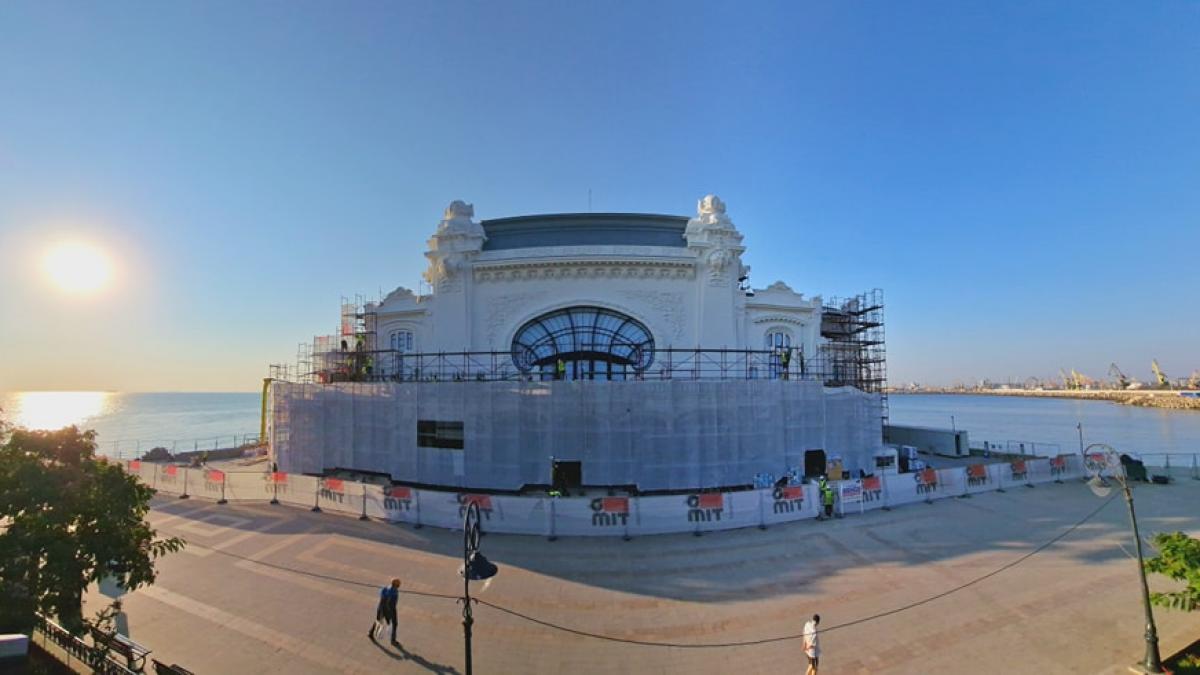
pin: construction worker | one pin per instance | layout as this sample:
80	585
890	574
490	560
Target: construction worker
827	500
785	360
560	370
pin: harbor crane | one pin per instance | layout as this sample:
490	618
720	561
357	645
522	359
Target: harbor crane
1163	382
1067	380
1122	379
1081	381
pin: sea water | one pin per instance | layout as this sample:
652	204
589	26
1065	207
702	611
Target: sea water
1056	421
127	423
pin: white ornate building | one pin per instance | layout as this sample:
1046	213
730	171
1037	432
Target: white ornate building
480	382
680	278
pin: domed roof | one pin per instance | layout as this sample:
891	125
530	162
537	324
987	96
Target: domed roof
585	229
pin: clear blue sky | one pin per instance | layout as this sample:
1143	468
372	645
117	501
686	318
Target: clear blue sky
1022	179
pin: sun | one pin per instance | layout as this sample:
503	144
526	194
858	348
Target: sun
78	267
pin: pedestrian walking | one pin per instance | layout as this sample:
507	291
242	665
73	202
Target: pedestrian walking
385	613
812	648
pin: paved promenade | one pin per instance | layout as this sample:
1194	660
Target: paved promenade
266	589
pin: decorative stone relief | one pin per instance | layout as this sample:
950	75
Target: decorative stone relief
583	270
669	310
716	241
779	318
500	316
400	296
456	242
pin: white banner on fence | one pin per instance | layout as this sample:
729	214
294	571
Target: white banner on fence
248	486
979	478
849	496
396	503
605	515
874	493
785	504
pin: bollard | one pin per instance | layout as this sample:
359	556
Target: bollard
364	510
317	498
222	499
185	495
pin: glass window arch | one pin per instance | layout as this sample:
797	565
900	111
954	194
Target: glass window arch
590	342
778	338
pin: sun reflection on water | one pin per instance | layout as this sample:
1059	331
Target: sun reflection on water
57	409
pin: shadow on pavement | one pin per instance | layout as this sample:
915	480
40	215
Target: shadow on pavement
991	529
404	654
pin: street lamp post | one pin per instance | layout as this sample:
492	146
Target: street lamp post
475	568
1079	426
1152	663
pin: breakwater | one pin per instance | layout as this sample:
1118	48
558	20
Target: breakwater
1144	398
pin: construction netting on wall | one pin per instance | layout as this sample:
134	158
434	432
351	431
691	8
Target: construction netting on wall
655	435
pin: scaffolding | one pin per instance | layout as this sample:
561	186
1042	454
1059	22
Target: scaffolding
854	353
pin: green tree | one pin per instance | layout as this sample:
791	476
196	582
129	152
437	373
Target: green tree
67	519
1179	559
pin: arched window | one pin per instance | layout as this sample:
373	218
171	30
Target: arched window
778	339
402	341
592	343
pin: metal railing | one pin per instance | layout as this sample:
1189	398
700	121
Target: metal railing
1173	464
388	365
76	648
135	448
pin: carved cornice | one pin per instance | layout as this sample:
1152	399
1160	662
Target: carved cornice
779	318
585	269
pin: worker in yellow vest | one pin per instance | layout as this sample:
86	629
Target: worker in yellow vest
560	370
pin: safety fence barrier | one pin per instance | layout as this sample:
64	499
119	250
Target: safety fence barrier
702	511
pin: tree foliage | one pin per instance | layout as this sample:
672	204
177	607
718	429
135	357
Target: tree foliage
1179	559
67	519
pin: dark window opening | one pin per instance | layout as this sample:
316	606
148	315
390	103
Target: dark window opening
435	434
568	475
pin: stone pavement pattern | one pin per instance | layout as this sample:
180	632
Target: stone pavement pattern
227	605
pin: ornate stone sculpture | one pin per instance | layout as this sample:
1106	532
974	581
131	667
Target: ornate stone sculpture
710	214
457	240
716	241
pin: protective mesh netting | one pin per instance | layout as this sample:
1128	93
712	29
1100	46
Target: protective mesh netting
656	435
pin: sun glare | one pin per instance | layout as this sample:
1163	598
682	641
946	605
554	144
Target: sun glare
78	268
57	409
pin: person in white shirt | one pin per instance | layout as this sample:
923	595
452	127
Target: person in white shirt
812	647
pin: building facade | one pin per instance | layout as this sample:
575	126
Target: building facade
708	382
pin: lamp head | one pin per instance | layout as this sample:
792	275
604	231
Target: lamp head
478	568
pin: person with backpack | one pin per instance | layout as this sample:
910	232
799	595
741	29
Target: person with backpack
385	612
